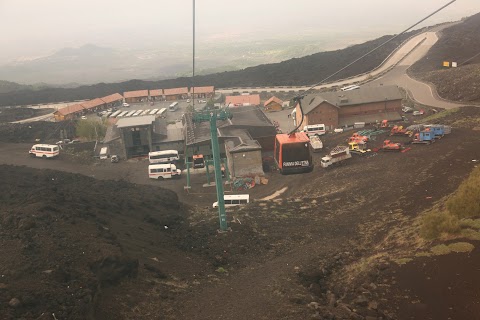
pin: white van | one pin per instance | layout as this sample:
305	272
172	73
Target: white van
44	151
166	156
232	200
315	130
316	143
104	153
164	171
350	88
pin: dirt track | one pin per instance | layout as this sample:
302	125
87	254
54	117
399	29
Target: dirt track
309	246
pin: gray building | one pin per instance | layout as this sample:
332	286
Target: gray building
250	120
244	157
137	134
243	139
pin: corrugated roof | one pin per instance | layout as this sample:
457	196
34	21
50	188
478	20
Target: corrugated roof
252	99
74	108
250	116
363	95
93	103
175	91
209	89
136	94
135	121
156	92
112	98
273	99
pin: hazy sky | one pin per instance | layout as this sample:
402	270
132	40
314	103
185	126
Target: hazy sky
39	27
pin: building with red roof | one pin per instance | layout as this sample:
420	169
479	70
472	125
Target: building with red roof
202	92
93	105
273	104
113	100
156	94
243	100
69	112
136	96
175	94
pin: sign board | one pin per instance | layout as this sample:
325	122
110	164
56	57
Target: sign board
446	64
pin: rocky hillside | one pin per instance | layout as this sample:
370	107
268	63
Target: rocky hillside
459	44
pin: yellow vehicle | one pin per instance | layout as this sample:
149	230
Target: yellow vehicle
358	147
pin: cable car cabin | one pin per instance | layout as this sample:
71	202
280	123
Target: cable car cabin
293	153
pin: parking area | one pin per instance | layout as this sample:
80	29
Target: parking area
141	108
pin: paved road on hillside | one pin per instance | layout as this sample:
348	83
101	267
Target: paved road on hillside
419	91
396	56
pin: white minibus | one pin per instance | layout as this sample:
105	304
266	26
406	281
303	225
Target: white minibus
166	156
116	113
232	200
44	150
315	129
164	171
104	153
161	113
173	106
351	87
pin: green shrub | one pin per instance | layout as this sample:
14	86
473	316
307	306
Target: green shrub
435	223
91	129
465	203
440	115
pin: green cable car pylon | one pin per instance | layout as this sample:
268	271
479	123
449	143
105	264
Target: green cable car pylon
212	116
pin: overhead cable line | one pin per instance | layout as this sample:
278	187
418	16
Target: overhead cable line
300	96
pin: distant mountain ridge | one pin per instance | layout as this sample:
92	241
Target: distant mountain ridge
297	71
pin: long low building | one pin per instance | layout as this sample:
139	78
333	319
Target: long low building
338	109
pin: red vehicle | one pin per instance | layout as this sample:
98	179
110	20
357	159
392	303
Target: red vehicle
392	146
292	153
357	138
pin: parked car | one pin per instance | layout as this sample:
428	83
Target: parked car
417	112
125	104
84	117
64	141
407	109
